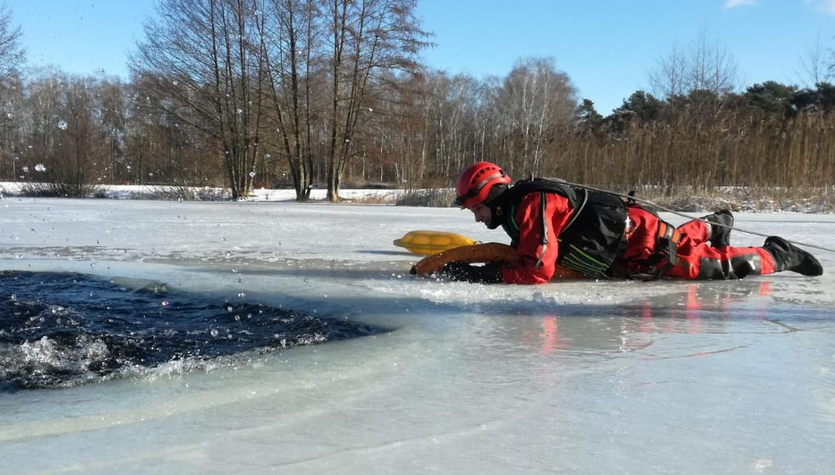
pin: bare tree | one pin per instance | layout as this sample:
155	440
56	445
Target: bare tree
114	114
203	64
79	154
289	33
12	116
813	62
11	53
669	79
450	110
65	155
42	105
11	90
536	100
712	67
367	39
705	65
162	148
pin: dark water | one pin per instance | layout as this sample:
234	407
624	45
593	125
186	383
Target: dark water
60	330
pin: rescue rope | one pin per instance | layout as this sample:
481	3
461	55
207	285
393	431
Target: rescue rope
663	208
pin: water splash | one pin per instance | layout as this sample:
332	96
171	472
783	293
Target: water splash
61	330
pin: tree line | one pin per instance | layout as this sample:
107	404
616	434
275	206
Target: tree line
327	93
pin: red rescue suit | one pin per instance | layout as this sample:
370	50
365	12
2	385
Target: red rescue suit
695	258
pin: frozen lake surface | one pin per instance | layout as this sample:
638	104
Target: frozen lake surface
572	377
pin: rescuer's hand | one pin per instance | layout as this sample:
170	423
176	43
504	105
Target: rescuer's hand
490	273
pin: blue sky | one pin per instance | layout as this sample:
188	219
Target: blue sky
606	47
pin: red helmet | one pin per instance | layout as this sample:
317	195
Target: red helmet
475	183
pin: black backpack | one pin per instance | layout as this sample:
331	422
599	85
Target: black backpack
593	238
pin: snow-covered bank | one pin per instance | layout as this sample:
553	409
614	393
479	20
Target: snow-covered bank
571	377
144	192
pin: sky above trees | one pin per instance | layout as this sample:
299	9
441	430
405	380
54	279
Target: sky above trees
607	48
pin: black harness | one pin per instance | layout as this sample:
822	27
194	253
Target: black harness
667	238
592	239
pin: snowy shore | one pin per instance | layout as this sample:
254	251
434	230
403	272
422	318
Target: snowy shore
144	192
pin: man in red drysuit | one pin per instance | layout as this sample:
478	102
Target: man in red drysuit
600	235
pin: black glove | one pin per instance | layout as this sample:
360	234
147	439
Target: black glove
487	274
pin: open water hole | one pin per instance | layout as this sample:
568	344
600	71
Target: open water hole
63	329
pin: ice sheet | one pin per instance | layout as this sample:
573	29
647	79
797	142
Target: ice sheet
579	377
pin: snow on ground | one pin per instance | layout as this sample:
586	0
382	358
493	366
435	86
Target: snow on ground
126	192
570	377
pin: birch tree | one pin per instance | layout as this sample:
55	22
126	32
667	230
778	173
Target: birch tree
538	101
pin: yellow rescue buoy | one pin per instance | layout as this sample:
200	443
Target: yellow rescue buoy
432	242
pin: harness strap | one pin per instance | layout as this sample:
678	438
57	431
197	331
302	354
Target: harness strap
667	240
542	205
575	214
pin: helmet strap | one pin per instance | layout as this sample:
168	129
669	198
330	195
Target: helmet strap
496	202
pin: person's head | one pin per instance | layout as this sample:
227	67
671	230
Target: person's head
478	187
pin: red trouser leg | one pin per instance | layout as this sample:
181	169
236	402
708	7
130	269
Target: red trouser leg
697	260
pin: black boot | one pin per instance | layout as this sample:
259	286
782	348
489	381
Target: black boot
789	257
721	224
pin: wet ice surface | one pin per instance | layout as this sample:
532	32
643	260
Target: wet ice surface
572	377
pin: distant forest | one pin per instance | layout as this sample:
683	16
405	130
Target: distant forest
331	93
